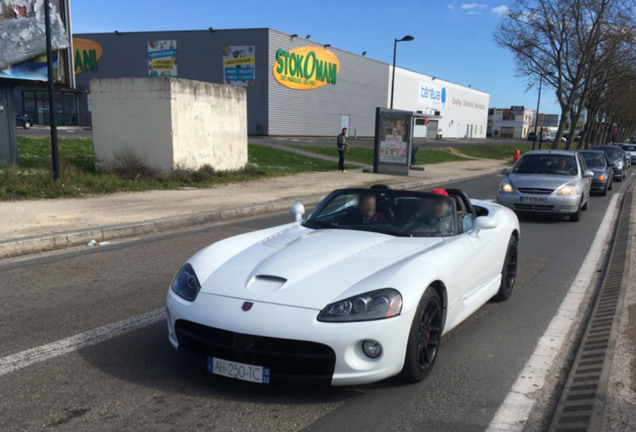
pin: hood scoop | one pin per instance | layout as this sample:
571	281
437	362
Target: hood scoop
265	283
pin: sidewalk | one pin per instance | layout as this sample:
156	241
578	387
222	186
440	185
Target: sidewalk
39	225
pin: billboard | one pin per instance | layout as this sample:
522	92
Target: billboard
86	55
239	65
24	36
162	58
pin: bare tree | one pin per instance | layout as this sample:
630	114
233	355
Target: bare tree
563	41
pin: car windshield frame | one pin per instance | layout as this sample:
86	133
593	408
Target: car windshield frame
546	164
397	213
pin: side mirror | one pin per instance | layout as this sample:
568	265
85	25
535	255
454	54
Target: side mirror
298	210
588	174
483	223
505	171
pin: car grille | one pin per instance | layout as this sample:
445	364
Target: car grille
287	359
536	191
534	207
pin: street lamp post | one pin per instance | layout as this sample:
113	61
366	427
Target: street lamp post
404	39
536	118
50	78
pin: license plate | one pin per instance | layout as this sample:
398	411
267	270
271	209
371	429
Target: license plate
240	371
533	199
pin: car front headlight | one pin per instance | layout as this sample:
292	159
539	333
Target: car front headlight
373	305
505	187
568	190
619	164
185	283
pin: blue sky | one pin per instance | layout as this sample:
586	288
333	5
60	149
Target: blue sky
453	39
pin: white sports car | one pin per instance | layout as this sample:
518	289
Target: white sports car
360	291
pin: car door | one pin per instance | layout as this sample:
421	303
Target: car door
587	181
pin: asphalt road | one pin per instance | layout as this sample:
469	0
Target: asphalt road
136	381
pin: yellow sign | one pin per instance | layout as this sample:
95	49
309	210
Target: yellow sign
239	61
306	68
86	54
163	64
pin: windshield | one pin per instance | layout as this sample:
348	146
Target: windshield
613	152
594	159
553	164
398	213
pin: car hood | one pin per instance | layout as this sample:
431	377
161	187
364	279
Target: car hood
540	181
310	268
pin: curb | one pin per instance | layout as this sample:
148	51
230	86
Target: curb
27	245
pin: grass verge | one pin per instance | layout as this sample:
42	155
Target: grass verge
365	154
33	177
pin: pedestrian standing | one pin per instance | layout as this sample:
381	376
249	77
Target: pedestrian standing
342	145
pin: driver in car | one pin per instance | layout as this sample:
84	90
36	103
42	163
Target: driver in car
365	212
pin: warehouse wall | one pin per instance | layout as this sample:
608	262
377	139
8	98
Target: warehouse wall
199	57
361	86
462	109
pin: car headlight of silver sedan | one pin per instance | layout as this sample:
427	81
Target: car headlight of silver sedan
185	283
568	190
505	186
373	305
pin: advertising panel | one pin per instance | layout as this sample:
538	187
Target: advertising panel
431	97
23	41
239	65
393	140
306	68
162	58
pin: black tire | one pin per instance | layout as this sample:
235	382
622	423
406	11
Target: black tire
508	271
610	185
575	217
27	125
424	338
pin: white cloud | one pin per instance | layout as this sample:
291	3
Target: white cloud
451	7
500	10
473	12
474	6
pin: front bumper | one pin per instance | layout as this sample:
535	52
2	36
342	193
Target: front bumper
599	185
289	340
554	204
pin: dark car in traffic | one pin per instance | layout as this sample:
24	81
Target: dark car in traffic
599	163
23	120
617	157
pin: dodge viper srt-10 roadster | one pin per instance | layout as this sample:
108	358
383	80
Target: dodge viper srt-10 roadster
361	290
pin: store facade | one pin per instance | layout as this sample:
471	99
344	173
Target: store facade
295	86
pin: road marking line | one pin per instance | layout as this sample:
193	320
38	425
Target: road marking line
515	410
28	357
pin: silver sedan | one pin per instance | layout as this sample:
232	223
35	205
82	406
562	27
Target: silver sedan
547	181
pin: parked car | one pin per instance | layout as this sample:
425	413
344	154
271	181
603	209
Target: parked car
547	181
362	290
23	120
598	162
630	151
617	157
531	136
550	137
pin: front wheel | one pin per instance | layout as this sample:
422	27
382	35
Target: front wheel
575	217
424	338
508	272
27	125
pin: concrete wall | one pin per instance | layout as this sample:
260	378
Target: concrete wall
209	124
461	109
169	122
